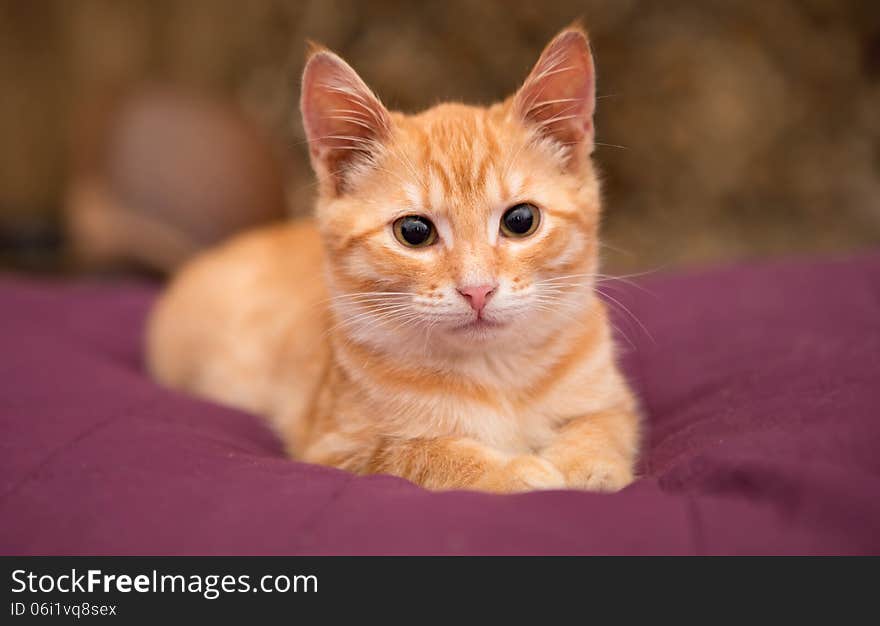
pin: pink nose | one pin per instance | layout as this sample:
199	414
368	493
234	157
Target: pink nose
477	296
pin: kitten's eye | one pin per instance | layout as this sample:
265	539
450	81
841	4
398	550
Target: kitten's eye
520	220
415	231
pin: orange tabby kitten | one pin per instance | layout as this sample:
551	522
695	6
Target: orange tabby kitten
437	320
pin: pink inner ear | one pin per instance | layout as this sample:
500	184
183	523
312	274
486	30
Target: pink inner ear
558	97
343	119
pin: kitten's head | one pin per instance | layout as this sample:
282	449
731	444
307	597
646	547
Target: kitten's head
461	227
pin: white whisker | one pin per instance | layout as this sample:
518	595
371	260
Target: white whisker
630	313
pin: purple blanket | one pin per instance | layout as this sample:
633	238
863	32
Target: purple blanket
761	387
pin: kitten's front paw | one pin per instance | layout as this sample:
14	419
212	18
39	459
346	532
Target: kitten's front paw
523	473
602	473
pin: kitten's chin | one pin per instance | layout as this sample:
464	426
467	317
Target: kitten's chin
479	325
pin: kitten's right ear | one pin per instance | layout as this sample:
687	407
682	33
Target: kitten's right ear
344	121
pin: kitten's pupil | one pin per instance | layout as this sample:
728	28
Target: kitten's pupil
414	230
519	220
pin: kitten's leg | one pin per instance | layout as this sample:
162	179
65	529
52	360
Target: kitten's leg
455	463
460	463
598	451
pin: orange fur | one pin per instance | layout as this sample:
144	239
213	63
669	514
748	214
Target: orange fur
364	354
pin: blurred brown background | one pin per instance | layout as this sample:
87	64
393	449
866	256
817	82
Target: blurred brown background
733	129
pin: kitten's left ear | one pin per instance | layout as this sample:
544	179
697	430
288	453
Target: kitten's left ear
345	122
559	96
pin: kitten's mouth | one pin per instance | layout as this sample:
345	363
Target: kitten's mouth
479	324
